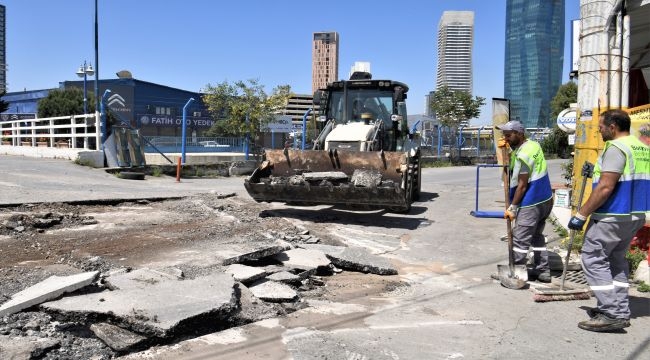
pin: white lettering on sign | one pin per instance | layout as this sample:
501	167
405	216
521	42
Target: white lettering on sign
566	120
176	121
162	120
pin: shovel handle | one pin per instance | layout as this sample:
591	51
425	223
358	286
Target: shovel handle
506	191
586	172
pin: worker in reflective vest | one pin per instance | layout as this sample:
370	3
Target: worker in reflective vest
530	199
617	205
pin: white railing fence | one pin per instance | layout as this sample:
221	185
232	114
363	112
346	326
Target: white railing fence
75	131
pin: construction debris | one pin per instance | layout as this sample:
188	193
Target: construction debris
49	289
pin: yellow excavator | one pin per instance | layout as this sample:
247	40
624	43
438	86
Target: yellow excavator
364	153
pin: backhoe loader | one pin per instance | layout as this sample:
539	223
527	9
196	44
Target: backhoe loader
363	155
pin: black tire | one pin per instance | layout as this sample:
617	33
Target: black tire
130	175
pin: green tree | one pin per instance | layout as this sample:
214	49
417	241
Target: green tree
558	141
231	104
453	107
4	106
64	103
566	95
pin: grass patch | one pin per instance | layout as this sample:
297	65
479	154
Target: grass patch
156	171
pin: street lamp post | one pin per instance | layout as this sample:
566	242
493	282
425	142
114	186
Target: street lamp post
83	72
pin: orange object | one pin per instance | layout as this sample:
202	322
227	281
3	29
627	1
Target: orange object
178	170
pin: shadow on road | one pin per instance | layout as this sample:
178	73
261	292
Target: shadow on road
336	215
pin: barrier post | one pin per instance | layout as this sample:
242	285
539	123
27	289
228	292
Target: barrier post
178	170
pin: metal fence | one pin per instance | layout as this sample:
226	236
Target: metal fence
470	141
173	144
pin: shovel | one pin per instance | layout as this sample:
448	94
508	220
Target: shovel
511	276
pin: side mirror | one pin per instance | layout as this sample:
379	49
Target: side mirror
319	96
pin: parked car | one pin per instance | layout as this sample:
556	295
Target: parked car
212	144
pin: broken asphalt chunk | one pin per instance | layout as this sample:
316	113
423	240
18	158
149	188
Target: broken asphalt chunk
25	347
139	278
115	337
248	252
284	277
302	259
272	291
245	274
359	259
48	289
158	309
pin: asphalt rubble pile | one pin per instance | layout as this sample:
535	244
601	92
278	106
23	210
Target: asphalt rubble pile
109	312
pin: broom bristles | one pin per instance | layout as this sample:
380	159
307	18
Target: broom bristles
560	297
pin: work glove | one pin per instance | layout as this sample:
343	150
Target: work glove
577	222
502	143
511	212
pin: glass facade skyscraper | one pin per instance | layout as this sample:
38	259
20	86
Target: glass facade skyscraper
534	59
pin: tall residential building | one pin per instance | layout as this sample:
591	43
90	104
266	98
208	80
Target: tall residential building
455	40
324	59
3	48
533	59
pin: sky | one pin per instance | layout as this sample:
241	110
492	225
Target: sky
188	44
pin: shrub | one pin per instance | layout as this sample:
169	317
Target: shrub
578	239
634	257
643	287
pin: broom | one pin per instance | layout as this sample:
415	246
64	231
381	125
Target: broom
563	294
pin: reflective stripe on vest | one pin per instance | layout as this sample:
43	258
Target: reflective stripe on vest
539	185
631	194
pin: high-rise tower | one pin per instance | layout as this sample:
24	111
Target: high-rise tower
324	59
455	40
534	59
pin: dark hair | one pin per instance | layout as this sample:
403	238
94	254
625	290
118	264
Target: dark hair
618	117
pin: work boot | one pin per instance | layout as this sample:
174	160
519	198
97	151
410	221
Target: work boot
544	277
603	323
592	312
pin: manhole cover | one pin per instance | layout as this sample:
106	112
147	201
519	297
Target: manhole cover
573	280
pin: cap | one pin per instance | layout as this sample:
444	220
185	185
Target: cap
511	126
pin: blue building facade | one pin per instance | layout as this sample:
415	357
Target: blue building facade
534	56
156	110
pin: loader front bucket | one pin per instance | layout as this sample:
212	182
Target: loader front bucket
374	179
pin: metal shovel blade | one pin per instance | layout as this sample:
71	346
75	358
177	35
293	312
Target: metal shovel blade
513	280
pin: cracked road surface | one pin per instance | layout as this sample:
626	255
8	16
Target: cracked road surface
441	305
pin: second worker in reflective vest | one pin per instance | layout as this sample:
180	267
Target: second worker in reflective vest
617	205
530	199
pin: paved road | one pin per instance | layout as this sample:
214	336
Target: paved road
446	308
28	180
